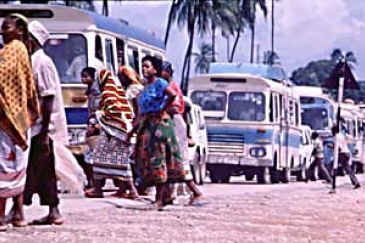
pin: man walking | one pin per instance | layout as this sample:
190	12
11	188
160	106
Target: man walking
344	156
318	155
50	127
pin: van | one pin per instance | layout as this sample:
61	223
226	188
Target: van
198	151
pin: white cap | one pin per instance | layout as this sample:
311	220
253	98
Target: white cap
38	31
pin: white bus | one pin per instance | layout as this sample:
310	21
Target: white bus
253	122
80	38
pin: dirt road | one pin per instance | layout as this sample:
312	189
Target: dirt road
236	212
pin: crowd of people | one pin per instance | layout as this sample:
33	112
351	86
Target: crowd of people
137	132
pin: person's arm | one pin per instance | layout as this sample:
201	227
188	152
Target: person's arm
170	97
47	90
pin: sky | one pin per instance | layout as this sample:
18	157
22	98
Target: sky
305	31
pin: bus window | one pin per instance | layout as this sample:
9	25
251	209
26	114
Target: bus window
133	58
98	48
210	100
145	53
68	51
272	112
109	54
120	52
159	57
297	114
246	106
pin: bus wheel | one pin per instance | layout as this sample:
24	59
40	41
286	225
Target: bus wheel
203	169
195	168
274	172
301	175
249	177
218	174
285	175
263	175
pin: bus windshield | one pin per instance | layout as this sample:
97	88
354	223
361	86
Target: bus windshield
213	103
246	106
315	117
69	53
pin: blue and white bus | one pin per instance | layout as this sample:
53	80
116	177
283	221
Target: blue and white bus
253	122
80	38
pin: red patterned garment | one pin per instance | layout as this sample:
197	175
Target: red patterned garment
117	112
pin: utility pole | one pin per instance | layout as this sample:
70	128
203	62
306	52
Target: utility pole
258	53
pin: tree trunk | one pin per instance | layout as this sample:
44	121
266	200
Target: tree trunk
272	26
235	44
187	61
169	21
252	43
213	41
105	11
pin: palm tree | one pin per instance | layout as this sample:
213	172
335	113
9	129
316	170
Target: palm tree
203	58
224	17
249	14
270	57
349	57
238	10
195	15
171	18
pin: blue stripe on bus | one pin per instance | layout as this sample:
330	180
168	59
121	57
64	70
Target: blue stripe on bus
125	29
250	136
76	116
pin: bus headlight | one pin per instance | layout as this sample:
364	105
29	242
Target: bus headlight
76	135
258	152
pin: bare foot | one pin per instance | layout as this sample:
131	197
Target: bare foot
195	199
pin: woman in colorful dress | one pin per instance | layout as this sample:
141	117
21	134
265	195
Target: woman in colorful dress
158	153
111	155
19	109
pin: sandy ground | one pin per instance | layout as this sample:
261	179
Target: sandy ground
235	212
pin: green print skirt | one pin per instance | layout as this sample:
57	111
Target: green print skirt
157	153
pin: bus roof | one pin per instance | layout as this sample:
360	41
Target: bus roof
235	81
74	19
258	70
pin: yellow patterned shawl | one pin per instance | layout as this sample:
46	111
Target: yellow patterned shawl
18	96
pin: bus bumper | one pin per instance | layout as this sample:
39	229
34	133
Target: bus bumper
242	161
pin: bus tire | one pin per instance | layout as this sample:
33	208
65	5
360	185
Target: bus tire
203	169
249	177
274	172
218	174
263	175
301	174
285	175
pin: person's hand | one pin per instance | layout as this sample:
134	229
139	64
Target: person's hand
90	131
43	145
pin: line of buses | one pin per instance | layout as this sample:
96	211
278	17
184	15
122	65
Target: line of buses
255	121
254	117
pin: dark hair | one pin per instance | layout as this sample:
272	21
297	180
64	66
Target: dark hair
20	21
167	66
315	135
89	70
335	129
156	63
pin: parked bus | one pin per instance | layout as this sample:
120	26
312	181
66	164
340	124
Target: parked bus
253	122
80	38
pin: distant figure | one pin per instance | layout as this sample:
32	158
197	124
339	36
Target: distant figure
344	156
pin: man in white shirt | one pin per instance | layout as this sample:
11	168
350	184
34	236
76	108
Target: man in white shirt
344	156
51	126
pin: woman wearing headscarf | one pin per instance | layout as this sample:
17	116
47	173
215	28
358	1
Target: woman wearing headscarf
132	85
158	152
19	109
111	155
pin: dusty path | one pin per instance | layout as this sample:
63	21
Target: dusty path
236	212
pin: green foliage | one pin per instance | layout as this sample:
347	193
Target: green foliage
315	73
203	58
